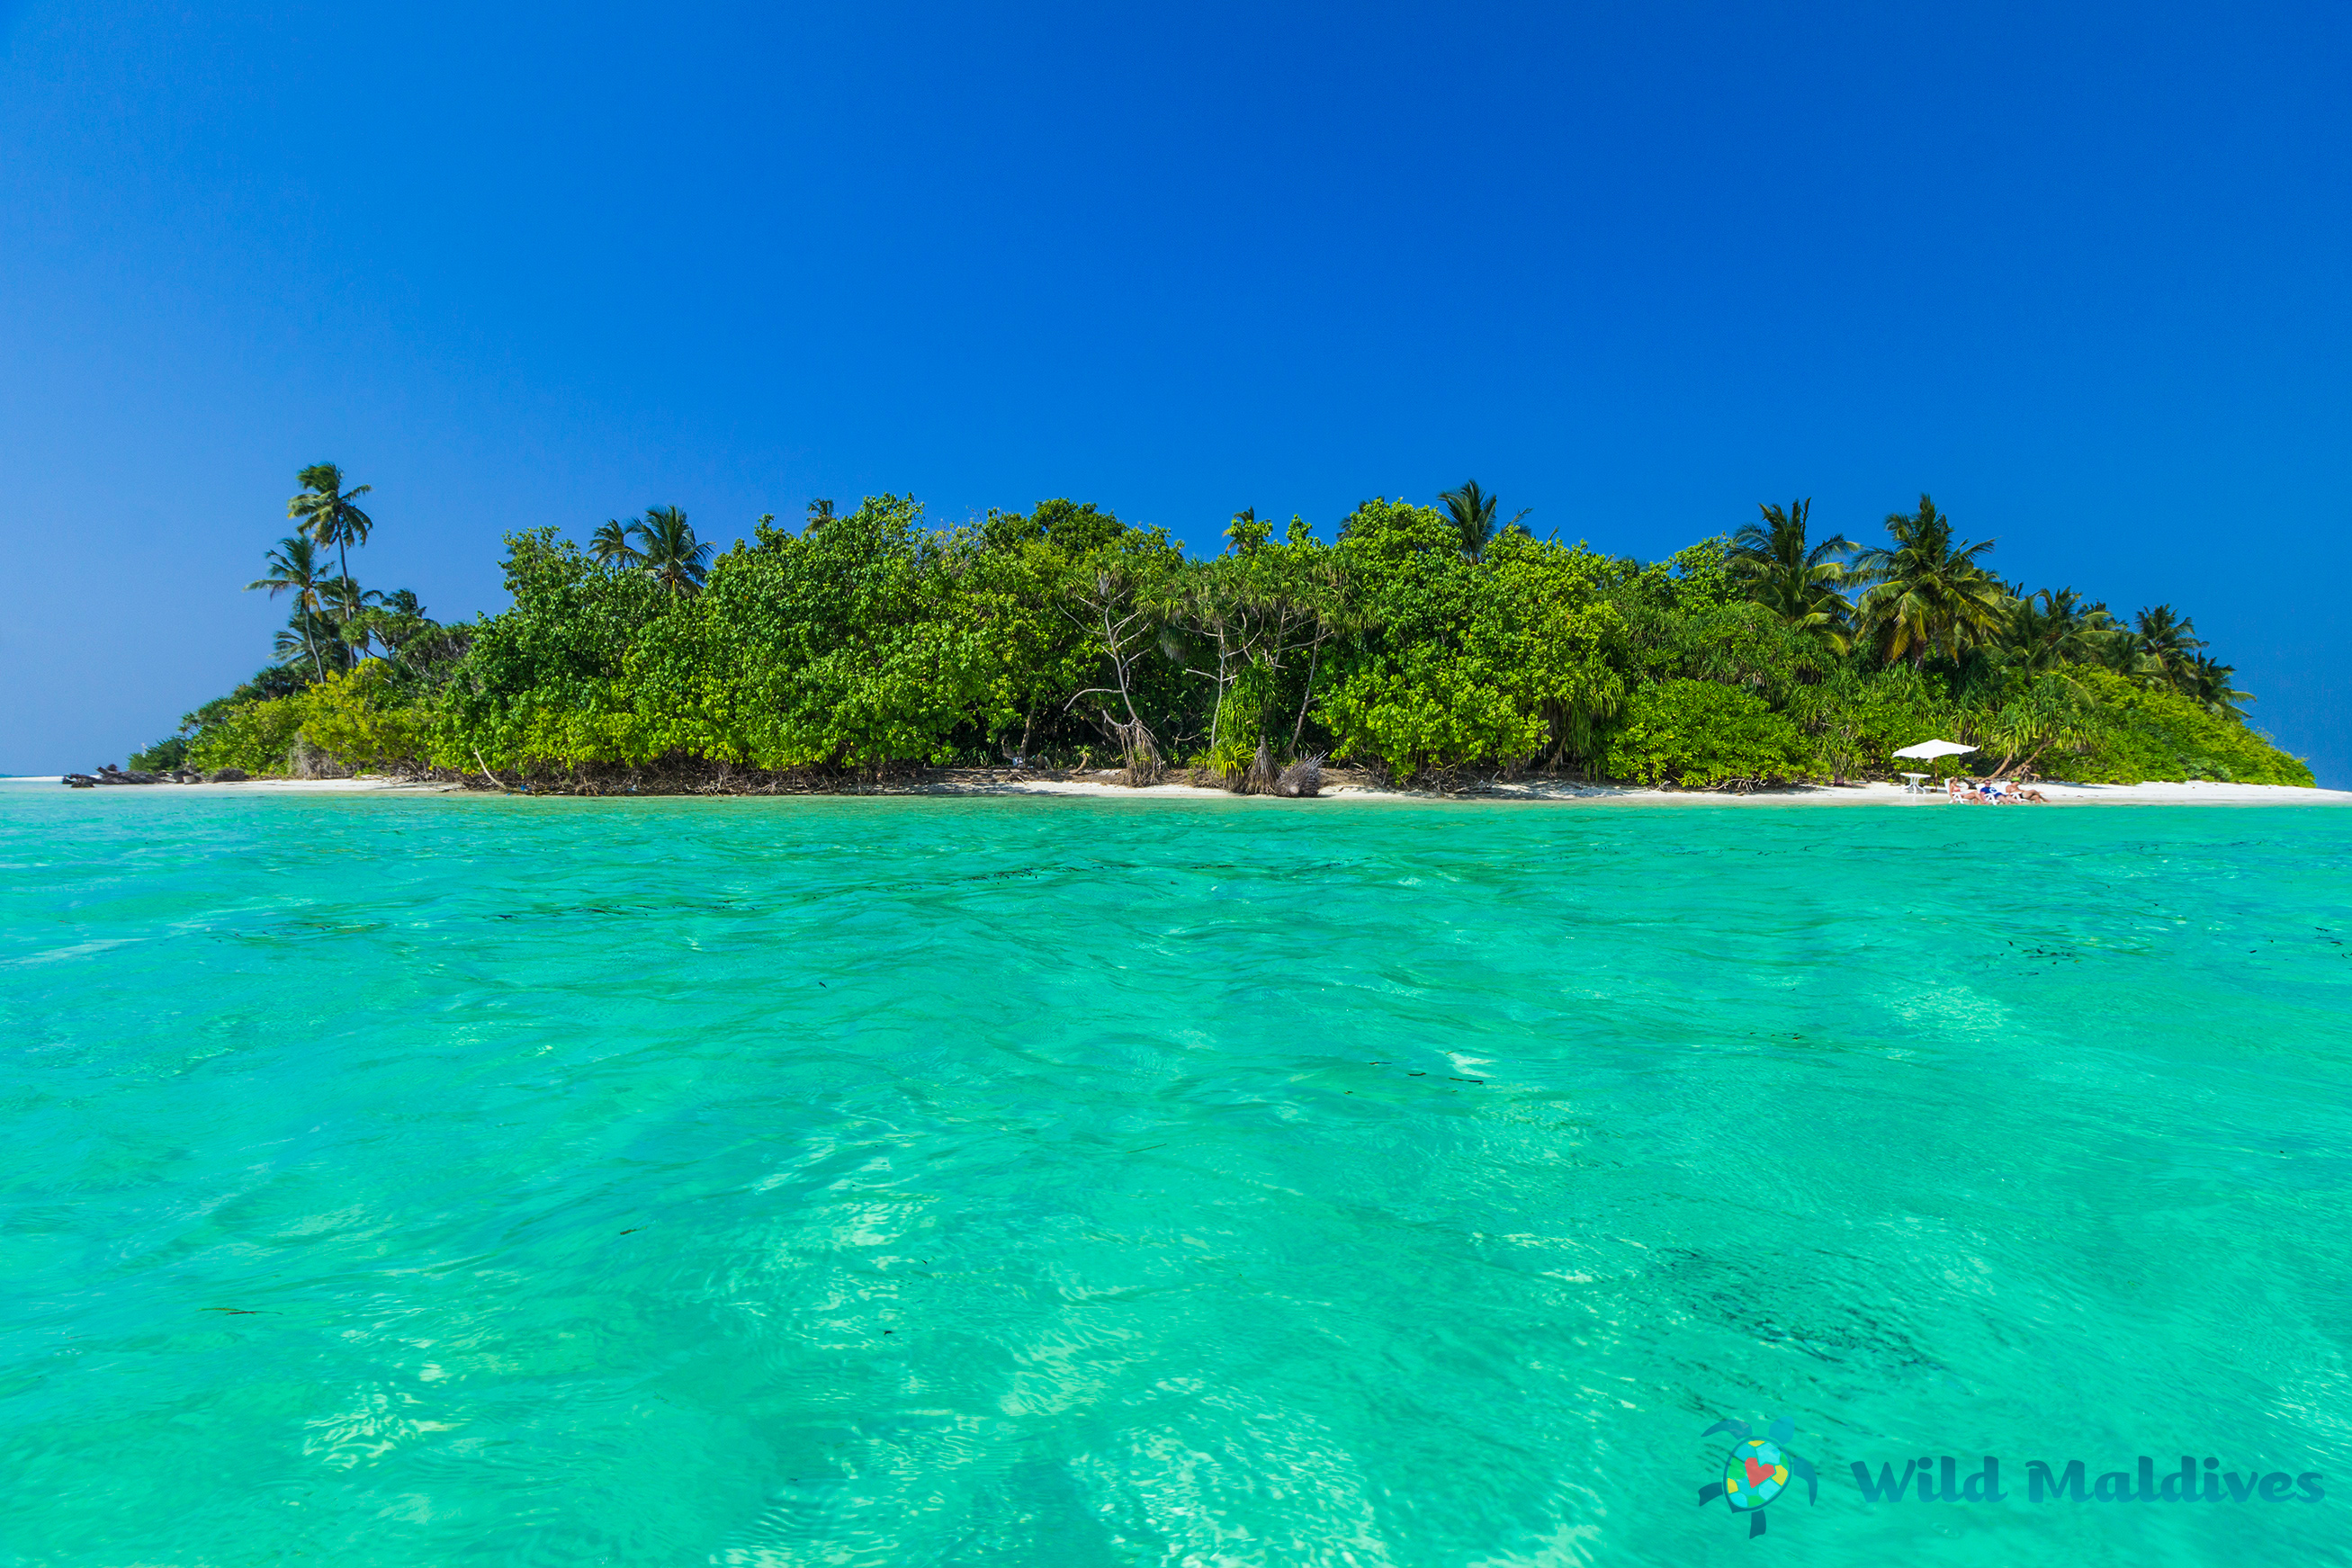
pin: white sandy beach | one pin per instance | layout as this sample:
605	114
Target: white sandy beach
1875	794
2195	793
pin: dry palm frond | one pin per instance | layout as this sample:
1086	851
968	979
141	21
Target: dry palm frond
1302	778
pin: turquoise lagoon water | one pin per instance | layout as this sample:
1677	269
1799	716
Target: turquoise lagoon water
452	1181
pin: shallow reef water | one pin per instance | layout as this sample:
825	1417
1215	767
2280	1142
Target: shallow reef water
446	1180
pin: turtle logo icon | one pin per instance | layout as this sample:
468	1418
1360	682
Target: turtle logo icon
1756	1470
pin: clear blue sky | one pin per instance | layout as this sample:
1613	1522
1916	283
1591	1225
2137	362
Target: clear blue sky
2078	270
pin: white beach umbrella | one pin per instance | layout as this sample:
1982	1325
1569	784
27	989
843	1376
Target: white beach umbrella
1929	750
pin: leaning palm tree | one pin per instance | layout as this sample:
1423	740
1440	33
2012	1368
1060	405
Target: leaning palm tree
1474	515
669	550
325	512
294	567
2166	643
1927	594
1797	581
610	544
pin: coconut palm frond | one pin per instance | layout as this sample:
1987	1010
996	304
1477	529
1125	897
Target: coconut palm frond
668	549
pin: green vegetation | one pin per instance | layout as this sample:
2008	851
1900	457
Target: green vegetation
1424	642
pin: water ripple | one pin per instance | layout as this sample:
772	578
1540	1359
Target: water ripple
442	1181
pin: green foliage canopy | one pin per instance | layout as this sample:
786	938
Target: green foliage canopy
1423	643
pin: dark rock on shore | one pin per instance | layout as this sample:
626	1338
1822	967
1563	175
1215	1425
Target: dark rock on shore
110	774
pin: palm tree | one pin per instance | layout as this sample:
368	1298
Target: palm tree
294	569
1474	515
325	512
2166	643
1796	582
293	642
1927	594
314	634
670	551
819	514
2054	627
353	610
610	544
2211	682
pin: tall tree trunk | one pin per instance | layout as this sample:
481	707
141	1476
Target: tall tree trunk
1314	659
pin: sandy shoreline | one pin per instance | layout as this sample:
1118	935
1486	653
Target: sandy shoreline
1875	794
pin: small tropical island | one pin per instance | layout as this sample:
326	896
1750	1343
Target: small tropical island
1425	646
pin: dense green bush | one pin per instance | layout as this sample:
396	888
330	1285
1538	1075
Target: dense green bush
161	757
1856	718
1460	663
364	719
256	736
1702	733
2137	735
